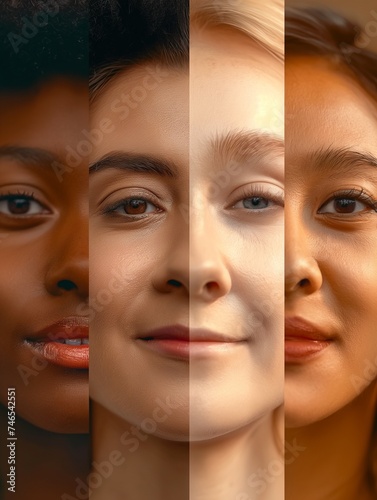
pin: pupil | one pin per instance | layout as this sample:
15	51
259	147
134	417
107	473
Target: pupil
19	205
135	207
345	205
255	202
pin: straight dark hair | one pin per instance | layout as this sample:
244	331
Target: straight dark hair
325	33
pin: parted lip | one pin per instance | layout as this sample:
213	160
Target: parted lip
184	333
302	329
71	327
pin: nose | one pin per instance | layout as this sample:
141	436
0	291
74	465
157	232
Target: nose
171	274
210	278
68	269
303	275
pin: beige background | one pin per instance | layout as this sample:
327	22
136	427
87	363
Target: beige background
364	12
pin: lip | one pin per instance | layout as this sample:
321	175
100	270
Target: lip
48	342
303	340
182	342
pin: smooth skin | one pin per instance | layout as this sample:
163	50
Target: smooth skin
226	255
331	277
41	246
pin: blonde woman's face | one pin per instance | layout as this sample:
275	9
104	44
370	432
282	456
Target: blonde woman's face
194	244
331	222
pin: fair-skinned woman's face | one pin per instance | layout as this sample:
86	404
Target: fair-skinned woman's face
331	222
200	246
43	251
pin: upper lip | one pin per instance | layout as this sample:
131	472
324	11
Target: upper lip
181	332
71	327
300	328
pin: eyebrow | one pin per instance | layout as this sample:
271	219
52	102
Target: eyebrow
245	145
132	162
29	156
341	159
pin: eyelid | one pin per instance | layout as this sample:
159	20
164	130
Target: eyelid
25	195
269	191
357	194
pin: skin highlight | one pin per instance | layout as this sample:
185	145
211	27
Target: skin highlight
37	244
331	267
184	278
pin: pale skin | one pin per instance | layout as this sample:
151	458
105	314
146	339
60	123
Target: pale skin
331	267
189	238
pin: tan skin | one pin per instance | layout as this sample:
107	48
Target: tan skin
41	246
331	270
186	239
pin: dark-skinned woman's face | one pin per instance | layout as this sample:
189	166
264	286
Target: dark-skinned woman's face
43	255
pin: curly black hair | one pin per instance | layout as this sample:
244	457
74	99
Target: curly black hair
40	39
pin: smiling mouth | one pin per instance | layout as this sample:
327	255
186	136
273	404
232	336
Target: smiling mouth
65	343
303	341
183	343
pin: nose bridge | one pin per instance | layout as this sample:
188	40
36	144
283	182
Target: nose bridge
301	266
68	265
209	273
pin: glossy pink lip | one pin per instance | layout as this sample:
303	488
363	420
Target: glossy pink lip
303	340
181	342
48	342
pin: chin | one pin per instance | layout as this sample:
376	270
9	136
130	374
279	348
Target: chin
58	423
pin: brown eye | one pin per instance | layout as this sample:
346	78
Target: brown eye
12	205
344	206
135	207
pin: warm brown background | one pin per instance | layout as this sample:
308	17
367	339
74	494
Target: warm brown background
363	12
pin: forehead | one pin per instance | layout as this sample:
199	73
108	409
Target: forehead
148	111
234	84
326	107
50	117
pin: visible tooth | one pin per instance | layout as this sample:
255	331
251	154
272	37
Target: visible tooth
85	341
73	341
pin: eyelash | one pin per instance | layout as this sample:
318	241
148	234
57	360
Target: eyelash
110	210
14	195
352	194
259	192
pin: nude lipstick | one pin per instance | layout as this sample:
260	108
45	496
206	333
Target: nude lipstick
303	340
64	343
181	342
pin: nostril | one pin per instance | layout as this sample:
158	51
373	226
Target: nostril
303	283
67	285
212	286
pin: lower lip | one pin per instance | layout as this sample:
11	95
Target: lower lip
185	349
297	350
67	356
